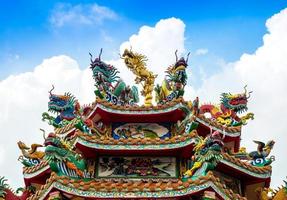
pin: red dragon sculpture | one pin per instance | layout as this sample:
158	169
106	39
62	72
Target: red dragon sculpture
230	106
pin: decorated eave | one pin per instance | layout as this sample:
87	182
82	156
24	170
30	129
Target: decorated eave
244	170
229	164
37	174
173	111
142	189
170	112
181	141
91	146
231	134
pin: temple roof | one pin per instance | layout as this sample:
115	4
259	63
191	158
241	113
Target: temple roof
170	112
228	163
119	188
135	108
245	165
90	143
232	131
32	169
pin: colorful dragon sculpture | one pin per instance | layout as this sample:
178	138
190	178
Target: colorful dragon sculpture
207	153
65	106
173	85
62	158
230	106
137	64
30	155
110	86
68	110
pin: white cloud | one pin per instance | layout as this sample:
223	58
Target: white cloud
200	52
23	99
80	14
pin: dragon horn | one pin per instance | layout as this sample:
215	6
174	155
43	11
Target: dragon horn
100	53
249	94
44	133
91	56
176	58
51	89
187	57
245	90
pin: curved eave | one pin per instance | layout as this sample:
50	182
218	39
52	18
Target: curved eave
232	134
166	194
36	172
249	172
182	145
37	176
172	113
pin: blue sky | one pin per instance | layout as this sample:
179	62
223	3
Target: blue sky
226	28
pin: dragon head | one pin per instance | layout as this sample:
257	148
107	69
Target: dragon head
103	74
214	141
236	102
54	148
177	72
210	148
57	149
59	103
62	158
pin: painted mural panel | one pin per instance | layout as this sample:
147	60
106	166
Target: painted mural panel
137	167
141	130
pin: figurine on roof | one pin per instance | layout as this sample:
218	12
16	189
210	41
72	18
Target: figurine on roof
30	155
110	86
259	157
173	85
230	106
207	153
68	111
137	64
62	158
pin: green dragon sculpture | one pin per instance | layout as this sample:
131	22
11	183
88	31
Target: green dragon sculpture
207	153
110	86
62	158
173	85
230	106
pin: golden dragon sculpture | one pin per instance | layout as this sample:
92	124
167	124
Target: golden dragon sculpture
137	64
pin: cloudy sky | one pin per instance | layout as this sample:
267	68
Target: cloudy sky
232	43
